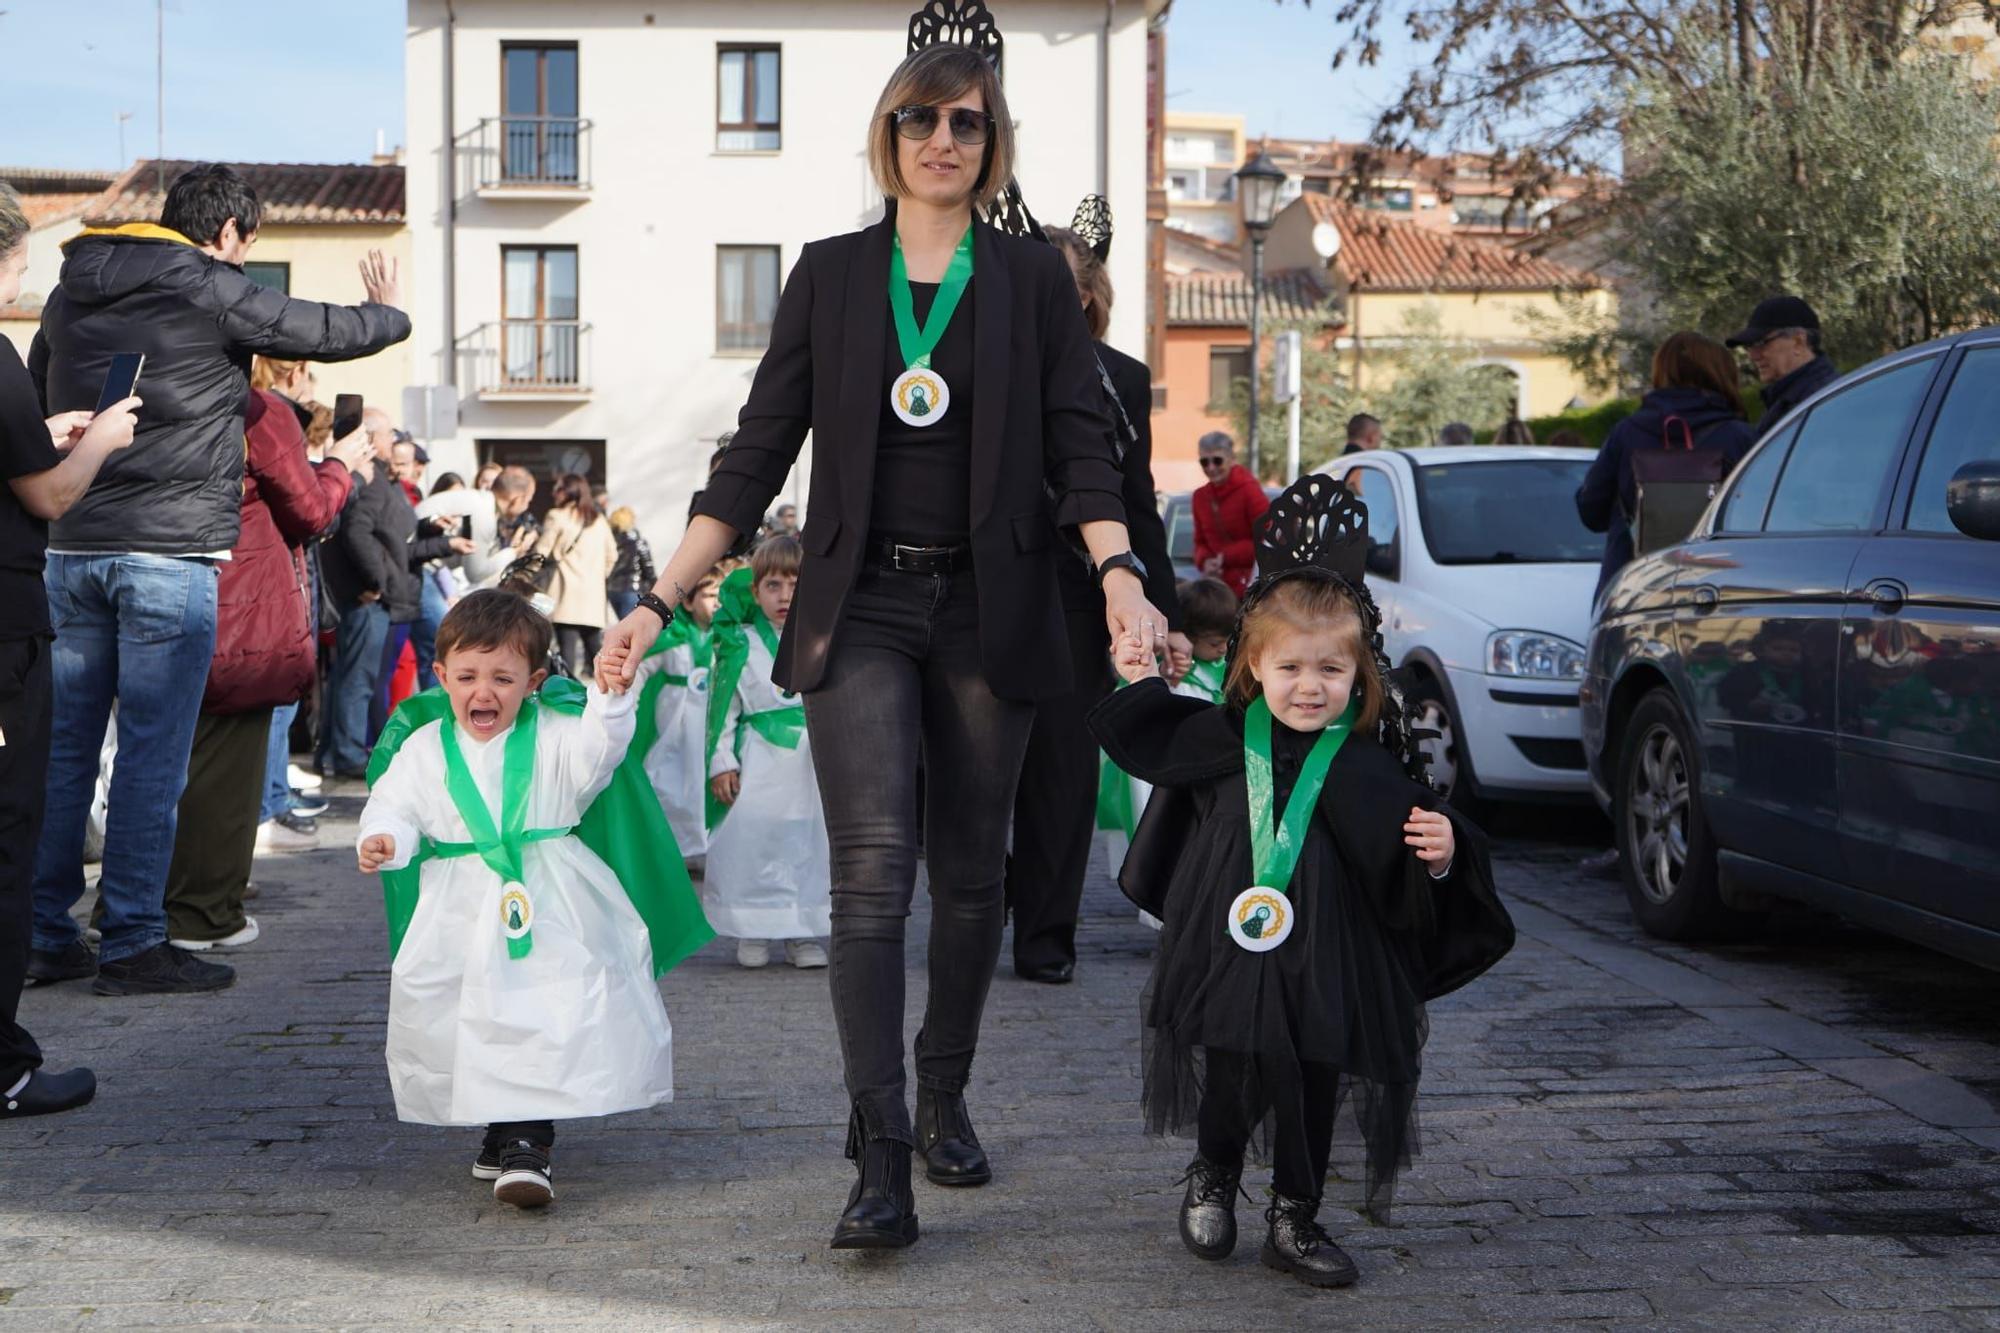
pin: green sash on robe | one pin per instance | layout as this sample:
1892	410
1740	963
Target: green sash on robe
624	826
736	615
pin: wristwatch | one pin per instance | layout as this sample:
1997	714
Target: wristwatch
1123	560
653	602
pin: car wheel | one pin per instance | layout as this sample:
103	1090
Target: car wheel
1448	760
1666	854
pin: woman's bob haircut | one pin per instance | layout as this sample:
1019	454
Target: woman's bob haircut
932	77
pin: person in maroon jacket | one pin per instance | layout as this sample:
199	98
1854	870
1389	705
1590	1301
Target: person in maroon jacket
1224	511
265	644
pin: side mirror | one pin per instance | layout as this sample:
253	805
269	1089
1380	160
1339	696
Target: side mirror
1382	559
1972	499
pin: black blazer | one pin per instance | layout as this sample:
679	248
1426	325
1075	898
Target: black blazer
1038	425
1133	383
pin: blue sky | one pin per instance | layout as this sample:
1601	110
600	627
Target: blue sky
313	80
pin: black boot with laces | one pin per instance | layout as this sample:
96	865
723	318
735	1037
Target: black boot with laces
881	1208
1208	1212
1298	1244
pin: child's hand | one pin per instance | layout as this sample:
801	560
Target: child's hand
376	852
1429	832
1134	659
726	786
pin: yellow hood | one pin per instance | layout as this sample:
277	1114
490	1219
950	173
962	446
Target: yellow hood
141	231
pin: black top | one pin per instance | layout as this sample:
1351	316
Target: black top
24	539
142	288
1038	427
923	474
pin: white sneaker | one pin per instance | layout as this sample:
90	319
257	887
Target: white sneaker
753	953
302	779
275	837
247	935
805	953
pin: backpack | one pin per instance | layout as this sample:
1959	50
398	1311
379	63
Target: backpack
1672	487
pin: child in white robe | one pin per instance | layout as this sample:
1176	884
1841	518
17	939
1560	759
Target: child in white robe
672	687
515	1000
768	876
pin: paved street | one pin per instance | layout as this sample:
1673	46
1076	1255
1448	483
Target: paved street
1799	1133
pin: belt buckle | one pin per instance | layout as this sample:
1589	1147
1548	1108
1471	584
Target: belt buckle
896	550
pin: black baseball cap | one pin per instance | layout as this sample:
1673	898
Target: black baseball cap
1771	314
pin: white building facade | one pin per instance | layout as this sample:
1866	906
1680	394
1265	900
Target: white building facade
600	232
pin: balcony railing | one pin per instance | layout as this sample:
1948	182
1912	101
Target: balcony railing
527	358
528	154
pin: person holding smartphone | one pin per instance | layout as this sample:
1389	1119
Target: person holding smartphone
46	466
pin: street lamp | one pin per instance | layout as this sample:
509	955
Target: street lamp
1257	184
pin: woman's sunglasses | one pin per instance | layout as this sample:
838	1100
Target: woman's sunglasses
921	122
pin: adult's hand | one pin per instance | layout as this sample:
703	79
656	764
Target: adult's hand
381	278
368	596
112	428
352	452
625	646
1212	566
1180	656
463	545
1127	611
66	428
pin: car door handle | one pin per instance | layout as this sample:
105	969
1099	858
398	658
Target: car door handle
1705	596
1888	595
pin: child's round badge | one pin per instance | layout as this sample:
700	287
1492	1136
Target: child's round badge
1260	919
517	914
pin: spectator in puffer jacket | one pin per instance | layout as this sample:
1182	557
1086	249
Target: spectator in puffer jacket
133	567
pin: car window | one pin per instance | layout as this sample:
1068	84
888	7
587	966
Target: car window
1378	492
1743	509
1505	511
1967	431
1844	451
1180	529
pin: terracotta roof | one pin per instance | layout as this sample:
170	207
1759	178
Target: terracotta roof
1211	254
1223	299
1387	254
50	195
291	193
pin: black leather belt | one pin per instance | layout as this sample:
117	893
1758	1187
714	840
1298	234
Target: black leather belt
922	559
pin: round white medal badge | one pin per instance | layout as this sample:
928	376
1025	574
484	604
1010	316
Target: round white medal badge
1260	919
919	397
517	914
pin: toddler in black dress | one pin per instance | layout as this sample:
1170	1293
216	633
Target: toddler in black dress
1315	893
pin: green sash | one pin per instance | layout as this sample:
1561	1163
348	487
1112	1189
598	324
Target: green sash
624	826
1208	678
736	615
1275	846
499	847
682	630
917	344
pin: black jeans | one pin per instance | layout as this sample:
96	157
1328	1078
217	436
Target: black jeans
541	1133
1055	814
1302	1137
26	701
579	645
904	680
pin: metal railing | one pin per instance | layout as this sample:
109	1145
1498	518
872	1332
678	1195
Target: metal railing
526	356
536	152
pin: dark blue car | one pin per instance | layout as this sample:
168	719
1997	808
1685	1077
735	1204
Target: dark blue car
1802	700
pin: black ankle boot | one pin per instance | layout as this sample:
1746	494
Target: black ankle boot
952	1155
1208	1211
881	1209
1298	1244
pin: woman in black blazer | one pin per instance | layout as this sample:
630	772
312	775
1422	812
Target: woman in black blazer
1056	808
927	618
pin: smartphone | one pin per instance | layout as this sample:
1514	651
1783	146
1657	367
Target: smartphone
121	379
346	415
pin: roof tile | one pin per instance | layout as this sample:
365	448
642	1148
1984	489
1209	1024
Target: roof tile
292	193
1389	254
1223	299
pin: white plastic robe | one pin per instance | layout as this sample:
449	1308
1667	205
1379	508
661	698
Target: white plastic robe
574	1028
677	765
767	876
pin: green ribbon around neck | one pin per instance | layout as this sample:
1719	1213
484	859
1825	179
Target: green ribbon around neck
499	846
1275	844
917	345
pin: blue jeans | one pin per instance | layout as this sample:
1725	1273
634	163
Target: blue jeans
424	634
357	671
624	602
137	629
278	764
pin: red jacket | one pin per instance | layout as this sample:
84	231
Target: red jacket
264	640
1223	514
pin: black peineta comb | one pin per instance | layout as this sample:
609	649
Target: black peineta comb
960	22
1316	523
1092	224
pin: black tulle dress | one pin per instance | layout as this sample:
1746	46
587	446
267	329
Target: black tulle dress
1312	1051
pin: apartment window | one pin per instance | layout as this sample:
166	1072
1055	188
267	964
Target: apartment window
1227	366
539	125
540	327
746	296
747	102
276	276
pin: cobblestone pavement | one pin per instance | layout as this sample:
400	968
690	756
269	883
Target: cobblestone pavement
1800	1132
